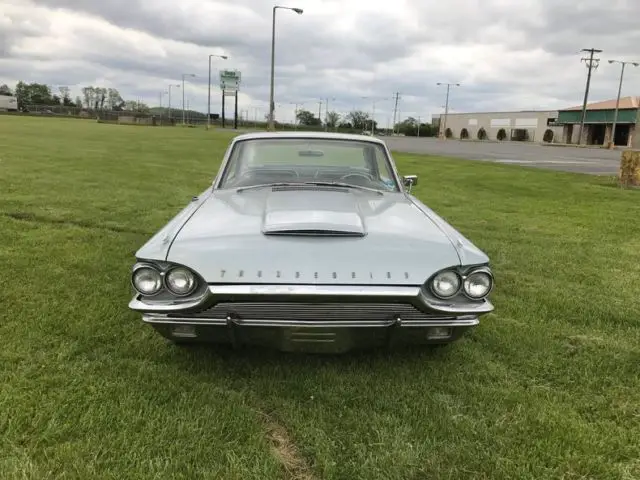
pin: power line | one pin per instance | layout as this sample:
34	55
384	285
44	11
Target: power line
591	64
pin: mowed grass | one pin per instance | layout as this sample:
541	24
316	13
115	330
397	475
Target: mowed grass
546	387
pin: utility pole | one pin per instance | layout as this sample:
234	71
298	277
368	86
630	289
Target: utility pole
591	64
320	112
395	109
612	140
446	106
418	126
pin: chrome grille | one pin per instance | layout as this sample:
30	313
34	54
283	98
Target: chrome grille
315	311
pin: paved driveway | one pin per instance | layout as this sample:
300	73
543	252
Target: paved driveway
597	161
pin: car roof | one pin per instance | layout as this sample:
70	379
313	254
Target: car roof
314	135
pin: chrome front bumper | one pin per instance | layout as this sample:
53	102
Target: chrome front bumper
311	317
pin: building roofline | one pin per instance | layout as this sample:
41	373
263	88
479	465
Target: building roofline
626	103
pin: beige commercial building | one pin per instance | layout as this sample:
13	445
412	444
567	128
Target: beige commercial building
528	125
557	126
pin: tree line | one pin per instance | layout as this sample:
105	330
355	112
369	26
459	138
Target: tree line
92	98
102	99
359	120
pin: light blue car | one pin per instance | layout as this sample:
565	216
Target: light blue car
311	242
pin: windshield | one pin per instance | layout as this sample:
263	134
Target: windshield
300	160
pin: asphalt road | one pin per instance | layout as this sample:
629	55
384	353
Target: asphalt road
596	161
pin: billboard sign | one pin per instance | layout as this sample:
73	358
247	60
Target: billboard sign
230	80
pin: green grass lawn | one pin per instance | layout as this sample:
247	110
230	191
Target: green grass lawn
546	387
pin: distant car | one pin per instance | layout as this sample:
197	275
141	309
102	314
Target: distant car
310	242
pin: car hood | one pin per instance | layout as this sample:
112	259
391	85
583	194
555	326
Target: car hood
312	236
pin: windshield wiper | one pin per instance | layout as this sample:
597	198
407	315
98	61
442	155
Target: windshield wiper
344	185
303	184
268	185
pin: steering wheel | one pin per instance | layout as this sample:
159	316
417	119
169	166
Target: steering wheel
366	176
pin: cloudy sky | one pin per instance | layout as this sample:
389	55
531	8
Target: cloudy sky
505	54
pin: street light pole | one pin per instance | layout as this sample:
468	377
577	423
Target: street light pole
295	114
224	57
446	106
183	77
299	11
326	114
612	141
171	85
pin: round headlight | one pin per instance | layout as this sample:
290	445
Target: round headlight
147	281
180	281
446	284
478	285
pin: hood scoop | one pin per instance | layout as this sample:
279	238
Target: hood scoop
310	232
312	213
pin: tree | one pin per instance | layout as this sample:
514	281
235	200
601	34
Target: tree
64	94
332	119
78	102
502	134
34	94
5	90
114	100
135	106
408	127
359	120
89	94
305	117
101	97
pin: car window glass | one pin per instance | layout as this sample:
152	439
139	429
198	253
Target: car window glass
383	167
260	161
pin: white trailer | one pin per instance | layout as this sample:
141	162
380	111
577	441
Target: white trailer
8	103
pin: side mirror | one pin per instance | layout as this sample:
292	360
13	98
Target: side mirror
410	180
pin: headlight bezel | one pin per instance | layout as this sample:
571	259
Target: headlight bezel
194	278
478	271
463	274
153	268
442	272
163	268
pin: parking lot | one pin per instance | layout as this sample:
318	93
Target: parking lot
596	161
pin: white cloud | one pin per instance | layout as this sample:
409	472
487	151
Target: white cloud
505	55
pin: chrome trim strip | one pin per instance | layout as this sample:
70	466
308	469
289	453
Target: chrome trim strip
319	290
412	294
177	305
484	306
466	321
